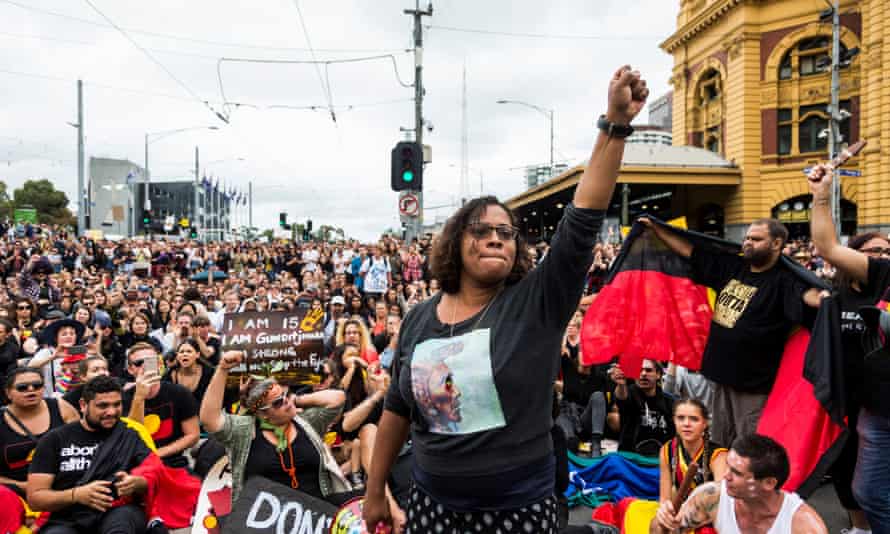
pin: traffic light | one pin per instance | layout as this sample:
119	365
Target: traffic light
282	219
193	233
407	167
308	225
146	217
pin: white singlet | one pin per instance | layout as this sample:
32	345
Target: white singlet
726	522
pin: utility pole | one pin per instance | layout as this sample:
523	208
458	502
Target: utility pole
250	204
834	113
197	200
418	96
81	203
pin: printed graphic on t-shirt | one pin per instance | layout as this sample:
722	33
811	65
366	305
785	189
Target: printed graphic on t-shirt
19	455
731	303
77	458
159	421
453	384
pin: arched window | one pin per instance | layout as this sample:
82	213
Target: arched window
707	117
811	56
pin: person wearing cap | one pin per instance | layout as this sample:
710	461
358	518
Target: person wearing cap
61	336
33	280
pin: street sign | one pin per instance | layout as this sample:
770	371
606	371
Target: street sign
409	205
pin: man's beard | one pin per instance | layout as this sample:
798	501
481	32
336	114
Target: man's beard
757	258
95	425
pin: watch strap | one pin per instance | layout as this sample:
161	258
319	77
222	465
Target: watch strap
618	131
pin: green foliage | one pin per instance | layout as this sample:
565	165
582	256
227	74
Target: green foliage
51	204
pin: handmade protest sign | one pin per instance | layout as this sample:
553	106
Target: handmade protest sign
267	507
286	345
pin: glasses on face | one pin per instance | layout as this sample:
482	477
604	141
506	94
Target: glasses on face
137	363
877	251
480	230
22	387
276	403
23	308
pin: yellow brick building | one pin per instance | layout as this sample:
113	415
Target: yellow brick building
746	84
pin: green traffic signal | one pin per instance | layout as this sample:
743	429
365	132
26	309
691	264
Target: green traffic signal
407	176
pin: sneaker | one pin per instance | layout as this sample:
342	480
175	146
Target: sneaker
357	480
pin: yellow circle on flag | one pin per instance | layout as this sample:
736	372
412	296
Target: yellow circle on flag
152	423
210	522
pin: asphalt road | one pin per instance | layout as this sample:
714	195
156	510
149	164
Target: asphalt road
824	500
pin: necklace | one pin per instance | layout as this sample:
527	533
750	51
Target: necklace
292	470
484	311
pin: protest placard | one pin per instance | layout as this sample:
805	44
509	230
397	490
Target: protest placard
288	345
267	507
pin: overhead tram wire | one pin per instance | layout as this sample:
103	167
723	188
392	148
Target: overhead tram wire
325	81
327	62
108	87
539	35
195	40
158	63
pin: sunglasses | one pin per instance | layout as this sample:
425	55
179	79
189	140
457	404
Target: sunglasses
138	363
877	250
277	403
505	232
23	308
22	387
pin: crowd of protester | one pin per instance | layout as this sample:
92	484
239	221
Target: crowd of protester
149	314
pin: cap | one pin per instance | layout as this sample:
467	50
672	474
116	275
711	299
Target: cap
338	300
102	318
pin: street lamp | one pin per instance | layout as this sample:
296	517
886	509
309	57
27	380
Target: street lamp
546	112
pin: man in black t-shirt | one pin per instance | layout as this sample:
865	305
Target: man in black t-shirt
759	301
168	411
646	414
77	476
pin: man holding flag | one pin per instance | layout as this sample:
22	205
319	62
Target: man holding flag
759	301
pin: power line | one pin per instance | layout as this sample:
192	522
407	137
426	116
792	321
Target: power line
192	39
540	35
156	62
325	81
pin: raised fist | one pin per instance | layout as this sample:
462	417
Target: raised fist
627	95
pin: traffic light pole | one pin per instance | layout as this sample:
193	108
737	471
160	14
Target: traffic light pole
418	14
834	113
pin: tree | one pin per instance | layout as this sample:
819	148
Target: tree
51	205
5	203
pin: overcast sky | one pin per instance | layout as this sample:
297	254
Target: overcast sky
300	160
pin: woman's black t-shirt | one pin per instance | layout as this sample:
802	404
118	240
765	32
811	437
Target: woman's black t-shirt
264	460
18	449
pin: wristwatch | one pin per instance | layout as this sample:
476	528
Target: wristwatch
618	131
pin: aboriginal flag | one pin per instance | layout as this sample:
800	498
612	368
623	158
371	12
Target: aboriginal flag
651	308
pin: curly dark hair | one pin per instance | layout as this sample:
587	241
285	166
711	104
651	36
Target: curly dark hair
445	256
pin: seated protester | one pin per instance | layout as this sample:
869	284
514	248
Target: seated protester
168	411
110	345
139	331
363	408
354	332
388	350
189	370
88	368
274	439
61	373
182	330
750	497
209	345
26	419
691	444
80	468
9	352
582	410
645	412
